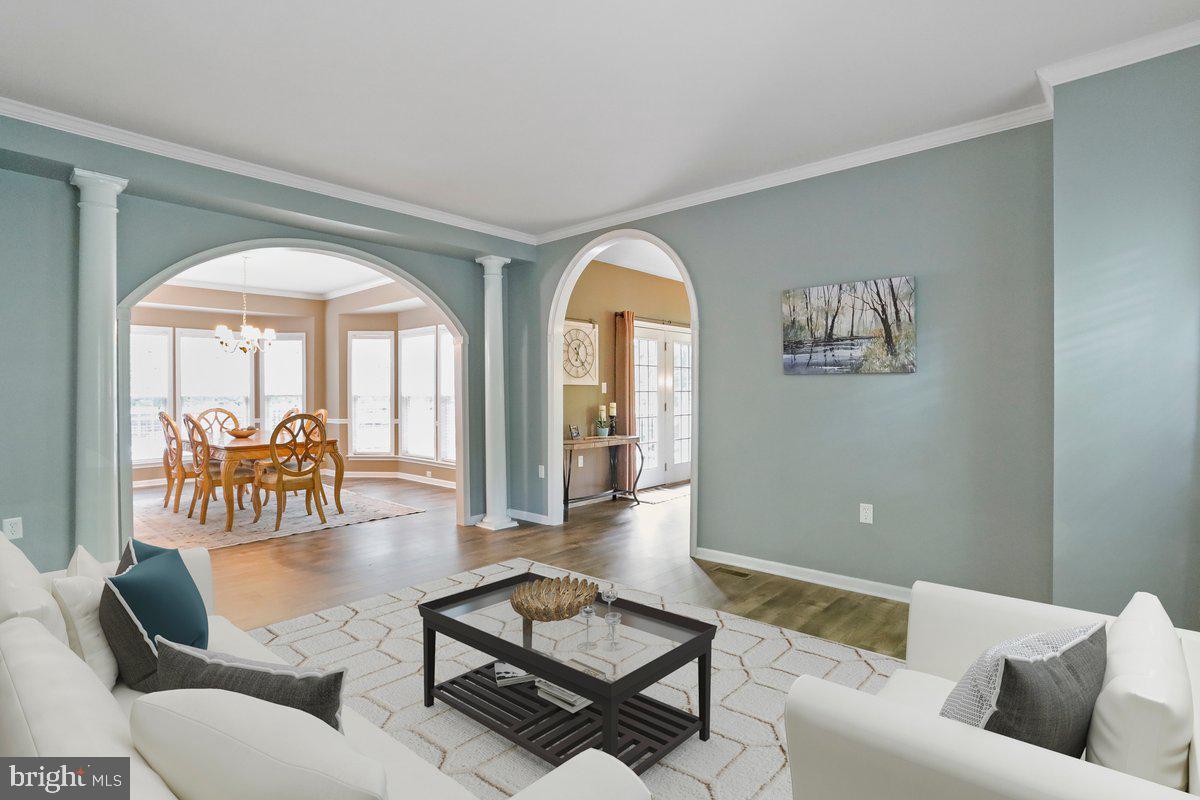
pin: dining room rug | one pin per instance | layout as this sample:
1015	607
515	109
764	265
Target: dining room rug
154	524
378	641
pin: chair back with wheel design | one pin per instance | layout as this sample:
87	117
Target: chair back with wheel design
173	453
217	420
201	453
298	445
322	415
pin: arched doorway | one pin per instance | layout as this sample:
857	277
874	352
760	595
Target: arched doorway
389	270
590	252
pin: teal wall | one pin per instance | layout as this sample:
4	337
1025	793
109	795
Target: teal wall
1127	337
956	458
37	361
169	212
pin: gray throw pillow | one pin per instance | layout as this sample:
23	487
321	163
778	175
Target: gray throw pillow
1039	688
313	691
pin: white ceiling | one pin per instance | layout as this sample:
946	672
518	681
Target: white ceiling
642	256
535	115
284	272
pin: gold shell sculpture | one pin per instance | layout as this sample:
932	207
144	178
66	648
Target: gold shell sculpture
552	599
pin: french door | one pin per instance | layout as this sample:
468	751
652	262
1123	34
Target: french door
662	386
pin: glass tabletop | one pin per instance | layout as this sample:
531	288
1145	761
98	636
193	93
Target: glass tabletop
641	636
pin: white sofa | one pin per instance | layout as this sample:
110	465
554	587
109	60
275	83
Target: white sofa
49	706
848	744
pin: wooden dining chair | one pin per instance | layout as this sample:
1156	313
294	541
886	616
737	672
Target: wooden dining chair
217	420
208	470
322	415
178	468
297	450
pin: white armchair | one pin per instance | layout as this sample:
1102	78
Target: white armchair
848	744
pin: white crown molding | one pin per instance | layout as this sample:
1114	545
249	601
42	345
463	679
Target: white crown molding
192	155
1121	55
904	147
236	288
860	585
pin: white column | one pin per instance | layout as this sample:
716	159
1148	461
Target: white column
96	515
495	450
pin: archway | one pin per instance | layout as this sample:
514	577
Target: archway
392	271
554	347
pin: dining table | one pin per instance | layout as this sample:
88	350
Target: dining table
230	450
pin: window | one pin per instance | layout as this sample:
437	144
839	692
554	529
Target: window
427	393
645	394
371	392
282	379
445	395
210	377
418	392
149	389
682	407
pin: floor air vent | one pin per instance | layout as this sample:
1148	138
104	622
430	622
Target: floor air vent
737	573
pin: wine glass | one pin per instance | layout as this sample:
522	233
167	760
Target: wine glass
608	595
612	619
587	612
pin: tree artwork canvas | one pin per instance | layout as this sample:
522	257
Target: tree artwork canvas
862	327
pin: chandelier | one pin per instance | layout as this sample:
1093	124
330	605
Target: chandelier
249	339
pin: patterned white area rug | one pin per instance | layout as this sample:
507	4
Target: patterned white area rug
378	640
154	524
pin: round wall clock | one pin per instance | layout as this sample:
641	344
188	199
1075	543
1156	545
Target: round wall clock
579	355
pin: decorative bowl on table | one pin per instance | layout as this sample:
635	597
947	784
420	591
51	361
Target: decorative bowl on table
552	599
242	433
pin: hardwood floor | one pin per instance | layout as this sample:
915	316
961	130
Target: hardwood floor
643	546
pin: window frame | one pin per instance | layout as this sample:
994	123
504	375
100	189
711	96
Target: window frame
261	372
204	333
437	460
352	449
172	379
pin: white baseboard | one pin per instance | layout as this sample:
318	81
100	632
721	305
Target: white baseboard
529	516
860	585
404	476
150	482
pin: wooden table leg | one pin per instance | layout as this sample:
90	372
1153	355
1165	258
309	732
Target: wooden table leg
609	737
430	663
339	472
228	468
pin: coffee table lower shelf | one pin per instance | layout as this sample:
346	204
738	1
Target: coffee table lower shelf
647	729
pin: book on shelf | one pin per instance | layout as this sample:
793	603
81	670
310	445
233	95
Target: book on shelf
508	675
561	697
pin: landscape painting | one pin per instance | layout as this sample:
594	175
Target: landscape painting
862	327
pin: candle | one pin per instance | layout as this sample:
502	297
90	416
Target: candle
603	411
612	409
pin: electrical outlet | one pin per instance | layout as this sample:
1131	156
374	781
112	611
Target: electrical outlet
541	470
12	528
603	387
428	473
581	461
866	513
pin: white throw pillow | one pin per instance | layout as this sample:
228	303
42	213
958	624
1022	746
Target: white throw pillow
32	602
79	600
51	704
210	744
17	569
1142	722
85	564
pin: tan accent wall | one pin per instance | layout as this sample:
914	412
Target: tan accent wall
603	290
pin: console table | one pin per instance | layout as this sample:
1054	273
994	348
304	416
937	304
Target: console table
592	443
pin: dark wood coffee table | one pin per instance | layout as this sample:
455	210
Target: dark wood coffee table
635	728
